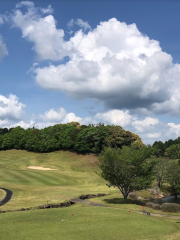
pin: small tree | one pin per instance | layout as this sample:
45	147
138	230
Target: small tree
127	168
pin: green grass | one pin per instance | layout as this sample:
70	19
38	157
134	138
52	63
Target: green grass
2	194
87	223
75	176
115	200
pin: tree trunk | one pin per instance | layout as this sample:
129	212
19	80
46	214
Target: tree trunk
159	184
175	196
125	197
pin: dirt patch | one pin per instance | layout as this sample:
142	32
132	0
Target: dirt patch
41	168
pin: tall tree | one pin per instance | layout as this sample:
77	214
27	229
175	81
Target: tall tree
127	169
173	177
161	168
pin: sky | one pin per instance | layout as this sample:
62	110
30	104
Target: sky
115	62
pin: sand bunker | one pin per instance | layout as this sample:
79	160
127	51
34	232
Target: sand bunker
41	168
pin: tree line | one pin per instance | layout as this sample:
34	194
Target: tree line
169	149
71	136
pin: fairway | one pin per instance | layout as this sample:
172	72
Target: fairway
86	223
75	176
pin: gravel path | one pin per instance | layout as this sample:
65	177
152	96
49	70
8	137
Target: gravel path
8	196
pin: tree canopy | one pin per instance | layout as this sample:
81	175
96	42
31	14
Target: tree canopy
128	168
70	136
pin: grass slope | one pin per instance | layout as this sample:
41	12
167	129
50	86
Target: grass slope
87	223
75	176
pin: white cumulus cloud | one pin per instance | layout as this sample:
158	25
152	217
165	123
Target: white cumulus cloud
116	117
113	63
53	115
11	108
42	31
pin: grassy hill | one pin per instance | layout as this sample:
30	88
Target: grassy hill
75	176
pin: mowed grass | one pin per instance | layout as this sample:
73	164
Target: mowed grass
2	194
86	223
75	176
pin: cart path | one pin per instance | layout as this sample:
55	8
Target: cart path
8	196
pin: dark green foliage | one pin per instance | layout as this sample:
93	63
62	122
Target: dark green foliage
3	131
118	137
91	139
127	168
173	151
170	207
70	136
173	177
158	149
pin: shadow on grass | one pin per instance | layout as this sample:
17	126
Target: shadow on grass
117	201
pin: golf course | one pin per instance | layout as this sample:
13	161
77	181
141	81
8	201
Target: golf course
37	179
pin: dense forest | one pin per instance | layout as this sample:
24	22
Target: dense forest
81	138
70	136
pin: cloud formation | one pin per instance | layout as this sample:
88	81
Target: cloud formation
80	23
11	108
39	29
114	63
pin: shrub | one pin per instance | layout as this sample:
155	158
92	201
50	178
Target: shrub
156	206
149	204
170	207
133	196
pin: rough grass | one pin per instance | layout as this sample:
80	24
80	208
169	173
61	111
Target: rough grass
75	176
86	223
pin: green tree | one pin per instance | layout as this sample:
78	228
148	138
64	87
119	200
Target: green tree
173	151
127	169
158	149
91	139
161	167
173	177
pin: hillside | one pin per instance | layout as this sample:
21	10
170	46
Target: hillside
75	175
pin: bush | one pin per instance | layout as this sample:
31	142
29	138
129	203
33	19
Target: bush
153	205
170	207
156	206
149	204
133	196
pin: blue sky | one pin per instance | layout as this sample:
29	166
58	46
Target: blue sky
116	62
